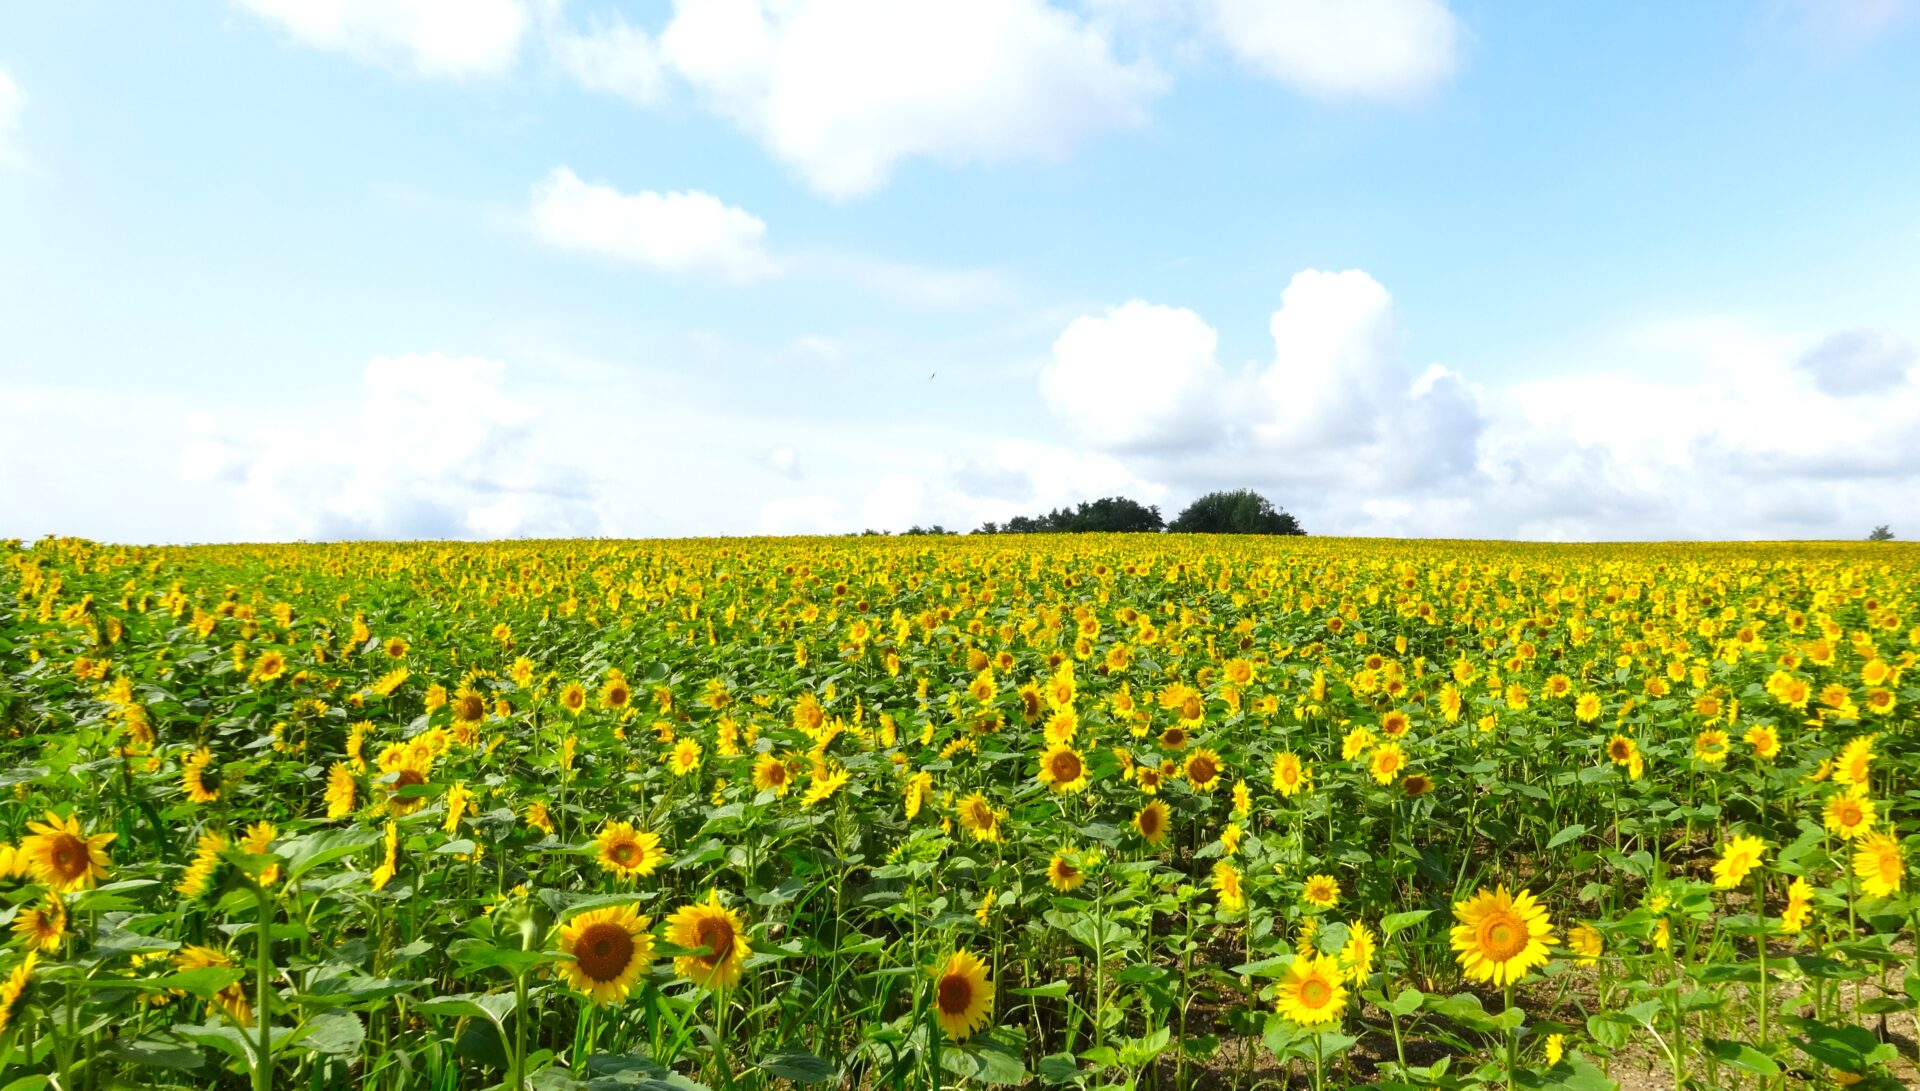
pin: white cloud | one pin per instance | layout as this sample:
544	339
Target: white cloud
614	57
441	450
680	232
844	91
12	102
1378	49
1138	376
436	38
1859	361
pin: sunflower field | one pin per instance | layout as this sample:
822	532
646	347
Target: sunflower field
1076	811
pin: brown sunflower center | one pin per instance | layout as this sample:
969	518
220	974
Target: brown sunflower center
1066	766
1502	936
1314	993
956	994
1202	769
603	951
625	853
68	856
1149	822
981	814
776	774
408	778
617	696
471	707
716	935
1174	737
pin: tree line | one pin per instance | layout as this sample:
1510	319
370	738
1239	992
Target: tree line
1240	511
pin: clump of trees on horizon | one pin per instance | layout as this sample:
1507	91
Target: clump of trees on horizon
1239	511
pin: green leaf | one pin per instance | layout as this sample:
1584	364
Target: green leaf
799	1066
474	954
309	851
1743	1057
1394	923
203	982
492	1007
1053	990
992	1057
155	1053
1406	1003
1565	835
227	1039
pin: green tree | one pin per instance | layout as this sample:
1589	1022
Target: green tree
1241	511
1881	533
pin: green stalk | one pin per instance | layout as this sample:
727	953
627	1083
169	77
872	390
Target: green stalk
263	1005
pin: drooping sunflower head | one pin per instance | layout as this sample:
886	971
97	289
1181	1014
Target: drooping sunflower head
610	948
962	995
1501	937
14	987
1153	821
43	926
1311	994
1063	769
198	778
64	857
231	1000
718	933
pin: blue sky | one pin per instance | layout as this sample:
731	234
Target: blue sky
277	269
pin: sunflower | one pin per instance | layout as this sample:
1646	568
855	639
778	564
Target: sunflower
1739	857
539	818
616	693
469	705
1311	994
1152	822
1855	761
1622	750
1321	891
770	774
1799	909
340	790
269	666
1357	742
1062	769
962	995
978	818
232	999
406	765
1227	884
1849	814
43	926
628	852
1386	762
1289	775
1586	942
718	932
685	758
611	948
573	698
390	865
1395	724
1203	770
63	857
1148	777
1062	726
199	784
259	842
198	878
1416	784
395	647
1242	798
1063	874
1356	955
823	784
1764	740
1501	937
1586	707
1710	746
1174	738
1879	865
16	984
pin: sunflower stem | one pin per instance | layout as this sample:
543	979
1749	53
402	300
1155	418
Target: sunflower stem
263	1006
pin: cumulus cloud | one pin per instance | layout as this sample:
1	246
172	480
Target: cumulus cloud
1139	376
679	232
1377	49
440	449
1699	429
1859	361
844	91
433	38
